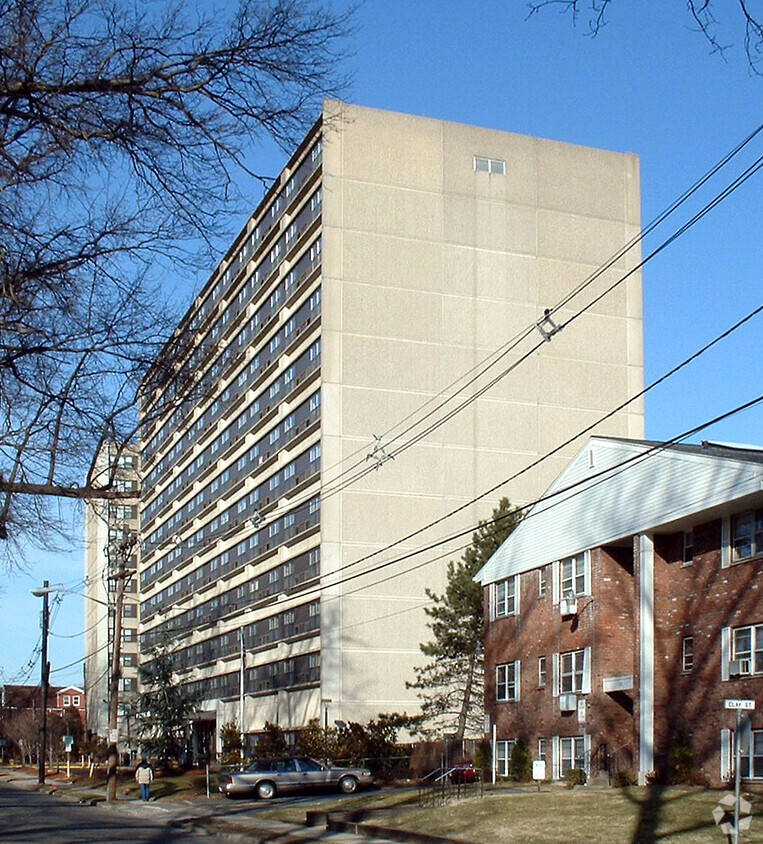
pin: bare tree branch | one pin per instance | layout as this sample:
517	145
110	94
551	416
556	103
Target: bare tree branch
702	13
124	131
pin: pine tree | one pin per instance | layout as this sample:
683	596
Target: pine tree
165	707
450	686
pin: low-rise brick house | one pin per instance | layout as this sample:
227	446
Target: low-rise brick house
626	608
16	698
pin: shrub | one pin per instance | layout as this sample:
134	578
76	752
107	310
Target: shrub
681	758
624	778
483	759
575	776
521	761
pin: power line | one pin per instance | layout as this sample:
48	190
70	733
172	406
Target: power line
756	311
326	490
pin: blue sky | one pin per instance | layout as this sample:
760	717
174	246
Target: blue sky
646	84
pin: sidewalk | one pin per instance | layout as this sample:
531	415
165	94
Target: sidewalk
214	817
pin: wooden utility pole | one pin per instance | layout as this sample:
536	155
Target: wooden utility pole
121	575
44	677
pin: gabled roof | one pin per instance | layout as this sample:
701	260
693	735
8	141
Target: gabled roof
616	488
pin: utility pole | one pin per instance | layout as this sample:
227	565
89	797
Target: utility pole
121	574
45	674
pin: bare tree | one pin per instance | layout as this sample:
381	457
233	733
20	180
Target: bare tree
125	130
701	12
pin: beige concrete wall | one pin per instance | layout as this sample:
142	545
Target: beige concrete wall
428	268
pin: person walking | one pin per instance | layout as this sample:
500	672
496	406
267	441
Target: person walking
143	776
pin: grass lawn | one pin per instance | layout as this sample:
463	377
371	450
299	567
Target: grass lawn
574	816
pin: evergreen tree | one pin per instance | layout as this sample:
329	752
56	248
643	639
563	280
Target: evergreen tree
272	742
450	686
165	707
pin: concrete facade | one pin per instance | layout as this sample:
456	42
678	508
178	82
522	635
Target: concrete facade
392	259
106	524
663	616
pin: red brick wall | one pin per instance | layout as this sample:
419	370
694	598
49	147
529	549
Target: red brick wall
698	601
604	622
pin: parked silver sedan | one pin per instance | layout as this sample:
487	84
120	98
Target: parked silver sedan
268	777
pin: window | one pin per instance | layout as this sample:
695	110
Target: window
573	578
489	165
503	757
542	582
75	700
687	654
541	672
507	681
688	547
747	535
572	753
751	754
67	700
505	597
542	743
747	649
572	672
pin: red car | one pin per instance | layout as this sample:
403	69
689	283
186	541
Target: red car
463	773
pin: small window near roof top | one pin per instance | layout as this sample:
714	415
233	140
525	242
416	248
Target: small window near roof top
489	165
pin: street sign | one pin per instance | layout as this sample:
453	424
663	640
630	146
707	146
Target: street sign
113	736
732	703
539	769
68	743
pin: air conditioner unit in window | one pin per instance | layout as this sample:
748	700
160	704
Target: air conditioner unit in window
568	702
568	606
738	667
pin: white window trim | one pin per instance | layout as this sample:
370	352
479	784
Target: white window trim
498	685
585	683
494	598
556	577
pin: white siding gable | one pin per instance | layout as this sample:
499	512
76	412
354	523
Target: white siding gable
614	489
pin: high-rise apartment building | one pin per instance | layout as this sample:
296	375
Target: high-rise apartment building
322	402
111	559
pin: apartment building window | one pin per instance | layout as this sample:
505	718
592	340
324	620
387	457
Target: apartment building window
505	597
687	654
67	700
489	165
747	650
572	672
542	748
503	751
751	754
75	700
573	576
542	582
572	752
687	556
747	535
541	672
507	681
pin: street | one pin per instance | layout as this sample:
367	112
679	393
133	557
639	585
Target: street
29	816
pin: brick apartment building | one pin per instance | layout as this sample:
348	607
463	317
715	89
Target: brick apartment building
626	608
